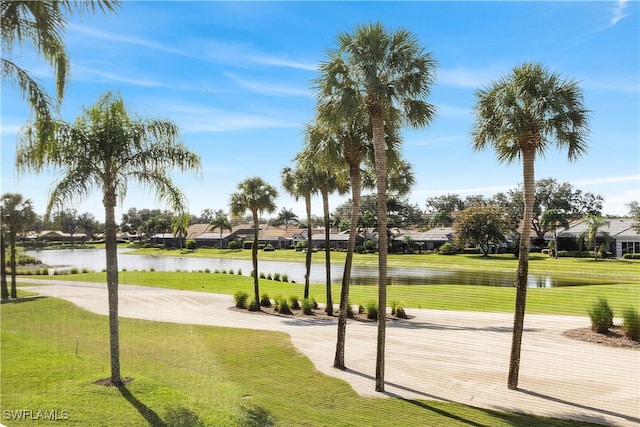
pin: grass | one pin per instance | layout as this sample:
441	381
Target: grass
569	300
190	375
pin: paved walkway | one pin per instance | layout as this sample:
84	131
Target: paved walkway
450	356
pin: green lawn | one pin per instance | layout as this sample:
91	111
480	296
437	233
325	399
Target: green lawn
573	300
187	375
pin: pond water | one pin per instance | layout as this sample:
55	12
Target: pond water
94	259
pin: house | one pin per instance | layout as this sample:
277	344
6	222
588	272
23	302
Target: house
619	235
336	240
423	240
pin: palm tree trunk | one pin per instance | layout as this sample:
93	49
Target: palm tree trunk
356	189
4	291
254	256
111	246
327	251
307	201
12	263
528	159
379	145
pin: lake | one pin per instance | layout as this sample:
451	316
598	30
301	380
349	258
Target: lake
94	259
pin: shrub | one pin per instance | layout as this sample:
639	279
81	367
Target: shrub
447	249
74	270
295	302
372	311
631	256
307	306
269	277
268	248
349	310
262	276
361	309
631	323
206	270
190	244
601	316
241	298
254	306
224	271
276	277
265	301
235	244
285	278
284	307
239	272
314	304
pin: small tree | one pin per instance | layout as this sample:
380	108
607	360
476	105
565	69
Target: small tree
601	316
482	226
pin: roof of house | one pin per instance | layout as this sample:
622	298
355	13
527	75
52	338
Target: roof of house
442	234
616	228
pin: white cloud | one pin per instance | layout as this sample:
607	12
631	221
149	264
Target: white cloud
268	88
618	12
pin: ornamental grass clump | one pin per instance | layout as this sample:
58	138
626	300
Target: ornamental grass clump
284	306
601	316
254	306
295	302
241	298
372	311
265	301
307	306
631	323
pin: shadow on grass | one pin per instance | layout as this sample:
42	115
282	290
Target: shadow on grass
20	300
147	413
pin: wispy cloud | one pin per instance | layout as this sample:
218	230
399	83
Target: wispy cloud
609	180
270	60
618	12
269	88
199	118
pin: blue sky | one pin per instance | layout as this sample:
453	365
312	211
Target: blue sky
237	78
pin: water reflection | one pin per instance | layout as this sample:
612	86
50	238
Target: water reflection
94	260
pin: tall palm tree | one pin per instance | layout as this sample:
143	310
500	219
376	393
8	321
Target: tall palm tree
390	75
594	225
520	115
41	24
330	178
17	216
104	149
255	195
222	222
552	219
339	139
300	182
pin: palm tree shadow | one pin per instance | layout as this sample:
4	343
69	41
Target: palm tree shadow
147	413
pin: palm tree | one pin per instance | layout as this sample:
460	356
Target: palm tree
255	195
339	139
179	226
222	222
330	178
104	149
552	219
389	75
594	224
17	215
300	182
286	216
520	116
41	24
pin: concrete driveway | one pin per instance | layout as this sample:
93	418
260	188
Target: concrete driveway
444	355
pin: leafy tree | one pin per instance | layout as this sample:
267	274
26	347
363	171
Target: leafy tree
67	221
595	223
104	149
482	226
41	24
520	115
634	211
255	195
390	75
222	222
88	224
17	215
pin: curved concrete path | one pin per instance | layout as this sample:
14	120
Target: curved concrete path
450	356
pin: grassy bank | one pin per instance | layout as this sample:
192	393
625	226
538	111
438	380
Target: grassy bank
571	300
620	269
190	375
